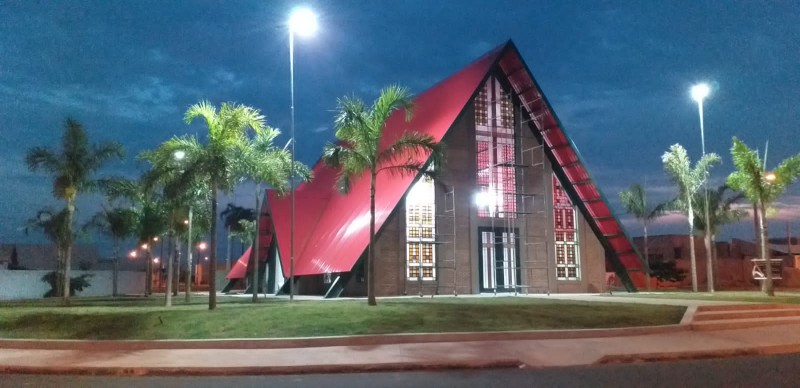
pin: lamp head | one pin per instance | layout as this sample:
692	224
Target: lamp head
770	177
180	154
303	22
700	91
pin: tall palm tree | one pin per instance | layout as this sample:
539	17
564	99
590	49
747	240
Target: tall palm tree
689	180
359	131
73	168
219	163
149	211
762	188
118	224
634	200
721	213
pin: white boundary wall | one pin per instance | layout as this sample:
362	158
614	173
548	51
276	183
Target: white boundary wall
28	284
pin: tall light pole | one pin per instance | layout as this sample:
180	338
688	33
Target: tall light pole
179	156
700	92
303	22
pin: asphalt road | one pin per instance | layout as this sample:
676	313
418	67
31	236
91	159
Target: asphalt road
762	371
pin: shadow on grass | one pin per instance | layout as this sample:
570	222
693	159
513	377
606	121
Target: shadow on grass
75	326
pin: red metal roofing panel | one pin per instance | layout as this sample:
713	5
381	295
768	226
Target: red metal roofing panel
239	269
331	229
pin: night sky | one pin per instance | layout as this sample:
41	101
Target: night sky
617	74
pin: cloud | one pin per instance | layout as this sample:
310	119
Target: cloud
151	97
224	78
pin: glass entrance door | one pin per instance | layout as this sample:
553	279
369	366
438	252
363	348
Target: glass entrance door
499	260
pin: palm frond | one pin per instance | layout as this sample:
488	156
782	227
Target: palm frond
392	98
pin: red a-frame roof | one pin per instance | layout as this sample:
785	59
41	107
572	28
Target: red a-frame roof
332	229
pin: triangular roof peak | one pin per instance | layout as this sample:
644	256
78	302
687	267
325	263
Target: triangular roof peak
332	230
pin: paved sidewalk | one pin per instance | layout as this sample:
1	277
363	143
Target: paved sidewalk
399	352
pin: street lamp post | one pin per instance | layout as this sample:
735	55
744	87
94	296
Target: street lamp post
700	92
303	22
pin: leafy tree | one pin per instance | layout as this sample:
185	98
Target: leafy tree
634	200
762	188
226	158
54	225
359	131
72	168
689	180
53	278
667	271
231	217
118	224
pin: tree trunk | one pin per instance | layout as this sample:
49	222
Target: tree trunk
692	254
707	238
188	296
168	290
646	259
709	260
767	285
68	252
212	265
228	248
148	267
756	229
256	247
371	249
714	260
177	264
115	269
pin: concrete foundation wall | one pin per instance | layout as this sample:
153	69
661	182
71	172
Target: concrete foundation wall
16	285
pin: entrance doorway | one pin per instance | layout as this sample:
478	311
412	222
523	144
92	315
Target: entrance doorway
498	259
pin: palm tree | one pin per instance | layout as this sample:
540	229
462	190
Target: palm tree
72	168
721	212
634	200
230	218
118	224
689	180
359	131
220	163
762	188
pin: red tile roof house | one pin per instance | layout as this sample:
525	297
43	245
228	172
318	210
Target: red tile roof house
515	212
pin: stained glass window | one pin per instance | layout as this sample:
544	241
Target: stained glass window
566	235
421	231
496	157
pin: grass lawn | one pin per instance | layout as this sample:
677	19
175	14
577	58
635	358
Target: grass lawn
238	318
728	296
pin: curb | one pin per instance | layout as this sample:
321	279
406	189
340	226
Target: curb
698	355
261	370
359	340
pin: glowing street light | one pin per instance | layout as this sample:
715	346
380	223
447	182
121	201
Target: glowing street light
303	22
133	254
770	177
179	154
202	246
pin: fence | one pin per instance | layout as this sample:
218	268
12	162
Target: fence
29	285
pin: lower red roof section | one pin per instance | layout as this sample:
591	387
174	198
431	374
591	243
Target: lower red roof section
239	269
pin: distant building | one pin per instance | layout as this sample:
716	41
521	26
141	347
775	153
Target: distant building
734	265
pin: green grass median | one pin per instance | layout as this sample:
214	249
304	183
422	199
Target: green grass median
237	318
